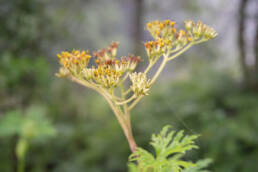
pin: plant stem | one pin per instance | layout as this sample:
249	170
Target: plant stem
21	151
127	92
161	67
125	107
21	164
126	101
181	51
148	67
124	122
152	81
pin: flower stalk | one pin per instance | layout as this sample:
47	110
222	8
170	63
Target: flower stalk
109	74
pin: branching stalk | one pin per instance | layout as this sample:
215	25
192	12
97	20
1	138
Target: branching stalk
127	91
126	101
109	73
181	51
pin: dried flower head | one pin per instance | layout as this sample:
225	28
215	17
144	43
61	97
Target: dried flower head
140	84
202	31
107	53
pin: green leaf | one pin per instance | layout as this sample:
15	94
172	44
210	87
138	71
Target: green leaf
199	166
37	125
33	124
11	123
169	146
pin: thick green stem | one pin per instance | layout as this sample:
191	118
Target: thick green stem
21	165
21	150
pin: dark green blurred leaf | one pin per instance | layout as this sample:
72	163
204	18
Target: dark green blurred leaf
11	123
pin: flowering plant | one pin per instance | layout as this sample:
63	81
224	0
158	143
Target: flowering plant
109	73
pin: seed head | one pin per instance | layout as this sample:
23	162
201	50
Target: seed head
201	31
140	83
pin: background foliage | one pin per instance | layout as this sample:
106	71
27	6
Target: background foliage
204	92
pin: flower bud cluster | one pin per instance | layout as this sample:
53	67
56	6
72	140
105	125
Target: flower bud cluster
155	48
140	84
200	30
73	62
161	29
108	70
107	76
166	38
75	58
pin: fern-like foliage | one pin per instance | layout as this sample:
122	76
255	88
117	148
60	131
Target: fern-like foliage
169	148
199	166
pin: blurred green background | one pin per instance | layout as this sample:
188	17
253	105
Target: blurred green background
211	90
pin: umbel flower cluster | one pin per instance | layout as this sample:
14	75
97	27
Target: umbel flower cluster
107	74
108	71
